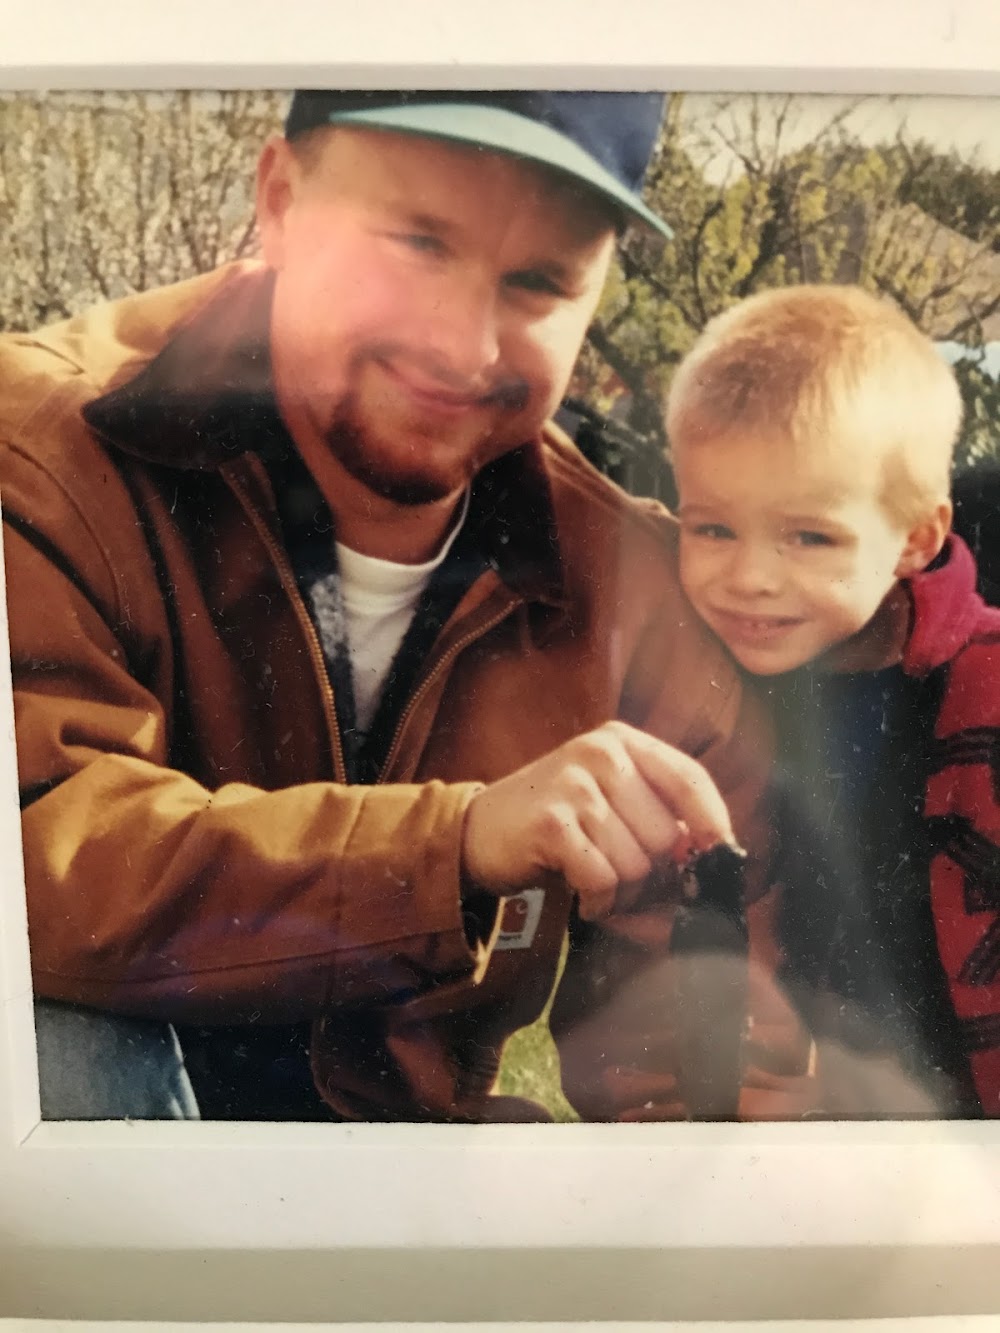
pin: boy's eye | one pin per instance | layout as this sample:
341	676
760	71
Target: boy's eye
716	532
809	537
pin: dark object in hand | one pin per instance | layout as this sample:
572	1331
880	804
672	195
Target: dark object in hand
709	947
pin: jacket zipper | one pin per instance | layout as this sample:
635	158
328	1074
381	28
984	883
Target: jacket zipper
439	666
287	577
316	652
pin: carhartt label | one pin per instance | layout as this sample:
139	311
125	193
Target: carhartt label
520	919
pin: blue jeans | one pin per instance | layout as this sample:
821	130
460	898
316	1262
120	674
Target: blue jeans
98	1066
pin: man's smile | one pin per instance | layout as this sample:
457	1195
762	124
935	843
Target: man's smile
429	394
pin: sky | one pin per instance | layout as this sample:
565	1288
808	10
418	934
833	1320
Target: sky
991	355
969	124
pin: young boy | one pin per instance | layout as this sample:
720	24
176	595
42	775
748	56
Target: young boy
812	431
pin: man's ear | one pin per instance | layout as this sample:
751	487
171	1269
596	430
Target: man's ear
277	170
924	540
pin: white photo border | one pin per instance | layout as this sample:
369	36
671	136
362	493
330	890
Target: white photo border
219	1221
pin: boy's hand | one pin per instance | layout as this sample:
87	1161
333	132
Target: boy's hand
599	810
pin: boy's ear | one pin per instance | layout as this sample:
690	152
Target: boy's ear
924	541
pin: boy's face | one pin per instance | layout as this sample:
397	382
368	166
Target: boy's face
784	552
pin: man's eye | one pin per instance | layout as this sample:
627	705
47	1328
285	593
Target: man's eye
421	242
534	280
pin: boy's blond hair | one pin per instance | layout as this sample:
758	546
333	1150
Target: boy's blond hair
821	365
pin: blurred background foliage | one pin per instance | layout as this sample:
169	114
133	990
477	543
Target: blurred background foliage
104	194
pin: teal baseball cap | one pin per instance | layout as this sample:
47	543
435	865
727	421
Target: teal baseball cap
602	140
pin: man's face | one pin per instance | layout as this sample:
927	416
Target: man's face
785	553
430	302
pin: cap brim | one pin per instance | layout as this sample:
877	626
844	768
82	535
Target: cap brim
504	132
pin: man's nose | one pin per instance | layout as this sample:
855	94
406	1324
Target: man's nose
464	333
755	568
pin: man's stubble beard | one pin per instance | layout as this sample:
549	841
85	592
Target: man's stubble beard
361	456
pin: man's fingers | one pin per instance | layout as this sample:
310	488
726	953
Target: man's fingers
583	865
613	837
650	822
593	906
598	810
685	787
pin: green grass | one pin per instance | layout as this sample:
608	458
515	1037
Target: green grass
530	1065
530	1068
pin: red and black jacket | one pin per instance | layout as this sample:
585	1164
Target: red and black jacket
956	634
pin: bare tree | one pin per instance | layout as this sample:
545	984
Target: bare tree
106	194
760	194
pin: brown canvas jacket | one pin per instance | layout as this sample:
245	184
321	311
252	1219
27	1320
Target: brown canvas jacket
192	851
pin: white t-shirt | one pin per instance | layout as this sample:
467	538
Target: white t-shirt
379	599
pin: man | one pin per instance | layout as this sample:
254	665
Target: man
342	684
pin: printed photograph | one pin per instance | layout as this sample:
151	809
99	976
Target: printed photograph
501	593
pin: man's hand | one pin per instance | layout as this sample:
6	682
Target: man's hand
599	810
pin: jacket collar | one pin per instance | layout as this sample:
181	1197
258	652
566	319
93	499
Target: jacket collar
946	608
199	401
206	399
922	623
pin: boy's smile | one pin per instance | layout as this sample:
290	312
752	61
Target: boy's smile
785	552
755	631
